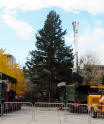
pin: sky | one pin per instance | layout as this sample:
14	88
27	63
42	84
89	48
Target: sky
20	21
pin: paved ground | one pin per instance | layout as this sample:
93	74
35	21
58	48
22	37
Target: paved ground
48	117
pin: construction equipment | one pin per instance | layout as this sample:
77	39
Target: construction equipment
96	105
78	95
96	102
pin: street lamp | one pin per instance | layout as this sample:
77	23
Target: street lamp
63	84
49	94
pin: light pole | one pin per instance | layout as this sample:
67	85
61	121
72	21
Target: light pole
49	85
63	84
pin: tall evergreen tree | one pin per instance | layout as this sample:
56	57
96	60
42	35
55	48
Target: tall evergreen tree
51	63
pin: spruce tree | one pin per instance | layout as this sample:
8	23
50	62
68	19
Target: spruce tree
52	61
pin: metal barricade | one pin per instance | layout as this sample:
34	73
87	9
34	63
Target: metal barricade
44	106
76	113
77	108
44	110
18	110
1	109
96	113
71	113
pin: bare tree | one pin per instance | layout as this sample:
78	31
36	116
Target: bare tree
89	59
90	69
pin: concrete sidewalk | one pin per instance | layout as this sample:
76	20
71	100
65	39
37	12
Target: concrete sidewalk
50	117
46	117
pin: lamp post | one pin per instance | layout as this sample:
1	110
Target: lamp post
49	87
63	84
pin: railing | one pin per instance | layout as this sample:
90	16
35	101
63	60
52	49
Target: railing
40	110
1	108
77	108
43	106
18	109
96	110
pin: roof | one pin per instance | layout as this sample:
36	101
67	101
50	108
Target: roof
7	77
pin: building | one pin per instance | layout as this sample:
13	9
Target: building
12	61
92	74
93	69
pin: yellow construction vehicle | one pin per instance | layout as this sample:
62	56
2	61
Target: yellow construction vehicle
96	102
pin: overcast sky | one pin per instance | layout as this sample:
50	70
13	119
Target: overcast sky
20	20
